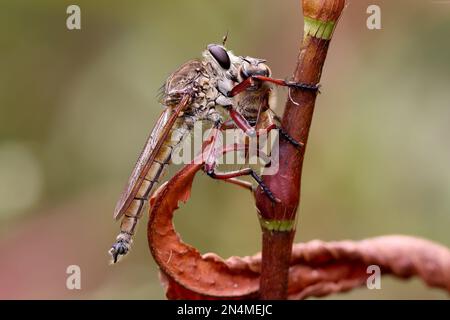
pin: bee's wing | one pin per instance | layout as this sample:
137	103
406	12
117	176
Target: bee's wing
154	142
266	119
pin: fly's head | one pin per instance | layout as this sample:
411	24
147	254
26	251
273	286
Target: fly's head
229	69
220	63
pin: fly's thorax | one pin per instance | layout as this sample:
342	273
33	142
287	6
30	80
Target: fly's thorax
191	79
204	97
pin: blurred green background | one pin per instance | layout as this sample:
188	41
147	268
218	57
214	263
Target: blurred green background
76	107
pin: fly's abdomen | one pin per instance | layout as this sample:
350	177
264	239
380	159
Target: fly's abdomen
155	173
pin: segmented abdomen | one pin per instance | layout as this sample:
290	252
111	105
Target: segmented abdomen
155	173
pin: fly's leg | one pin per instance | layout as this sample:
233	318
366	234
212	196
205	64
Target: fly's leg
239	121
289	139
242	123
213	173
211	152
210	163
291	84
240	183
276	122
283	134
247	127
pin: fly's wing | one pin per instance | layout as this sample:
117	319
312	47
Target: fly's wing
154	142
179	80
175	95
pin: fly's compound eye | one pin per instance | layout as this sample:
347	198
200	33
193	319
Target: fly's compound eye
221	55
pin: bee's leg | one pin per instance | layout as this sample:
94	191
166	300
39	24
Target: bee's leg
229	124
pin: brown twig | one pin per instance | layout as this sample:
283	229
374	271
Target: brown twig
278	220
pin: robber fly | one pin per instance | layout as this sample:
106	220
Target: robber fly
196	92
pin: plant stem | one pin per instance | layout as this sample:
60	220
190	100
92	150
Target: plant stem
320	20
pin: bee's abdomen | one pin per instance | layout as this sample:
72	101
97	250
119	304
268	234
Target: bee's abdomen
252	104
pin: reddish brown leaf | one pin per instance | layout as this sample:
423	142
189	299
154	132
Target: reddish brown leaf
182	264
320	268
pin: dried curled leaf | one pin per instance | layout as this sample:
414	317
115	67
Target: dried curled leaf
317	268
201	276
